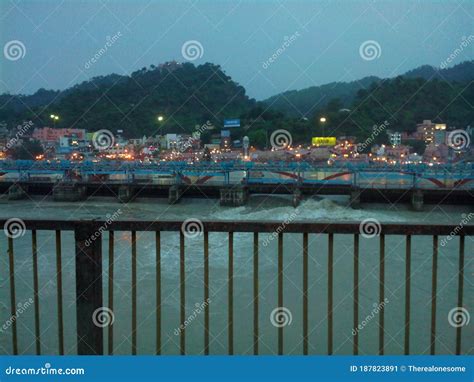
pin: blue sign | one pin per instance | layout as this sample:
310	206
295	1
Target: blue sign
231	122
225	133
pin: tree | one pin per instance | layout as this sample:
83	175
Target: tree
258	138
27	150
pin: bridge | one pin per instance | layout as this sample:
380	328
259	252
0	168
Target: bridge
233	182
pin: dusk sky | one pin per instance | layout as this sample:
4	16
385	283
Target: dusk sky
323	39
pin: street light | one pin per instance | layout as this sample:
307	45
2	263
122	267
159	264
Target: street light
55	118
160	118
323	121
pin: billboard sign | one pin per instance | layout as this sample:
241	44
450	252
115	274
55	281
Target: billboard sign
323	141
231	122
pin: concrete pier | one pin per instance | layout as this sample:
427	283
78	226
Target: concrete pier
17	192
125	194
68	192
297	197
417	200
174	194
233	196
354	199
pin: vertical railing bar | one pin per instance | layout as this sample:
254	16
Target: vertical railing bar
255	293
12	294
356	294
182	293
206	293
111	291
460	291
90	316
433	295
34	245
330	290
407	293
59	292
158	291
305	293
134	292
231	294
280	290
381	294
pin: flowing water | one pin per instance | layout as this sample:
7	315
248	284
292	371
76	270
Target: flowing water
262	208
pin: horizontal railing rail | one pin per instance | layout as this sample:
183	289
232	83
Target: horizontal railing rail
89	276
246	226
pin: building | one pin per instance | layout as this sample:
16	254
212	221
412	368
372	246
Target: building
395	138
397	152
72	144
49	136
436	154
428	130
168	141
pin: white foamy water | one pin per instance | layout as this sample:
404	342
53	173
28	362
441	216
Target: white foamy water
261	208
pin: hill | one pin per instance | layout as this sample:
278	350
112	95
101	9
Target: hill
307	102
404	102
182	93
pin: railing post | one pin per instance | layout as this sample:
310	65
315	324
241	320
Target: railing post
88	288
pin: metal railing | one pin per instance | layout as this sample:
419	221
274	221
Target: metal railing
89	272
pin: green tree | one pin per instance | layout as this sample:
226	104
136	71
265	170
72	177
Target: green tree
27	150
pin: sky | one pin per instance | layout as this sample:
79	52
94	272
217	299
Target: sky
267	46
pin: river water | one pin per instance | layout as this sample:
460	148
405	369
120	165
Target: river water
261	208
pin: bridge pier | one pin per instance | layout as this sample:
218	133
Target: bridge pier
125	194
297	197
17	192
354	199
68	192
233	196
417	200
174	194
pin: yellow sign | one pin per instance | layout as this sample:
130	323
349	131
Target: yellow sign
323	141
